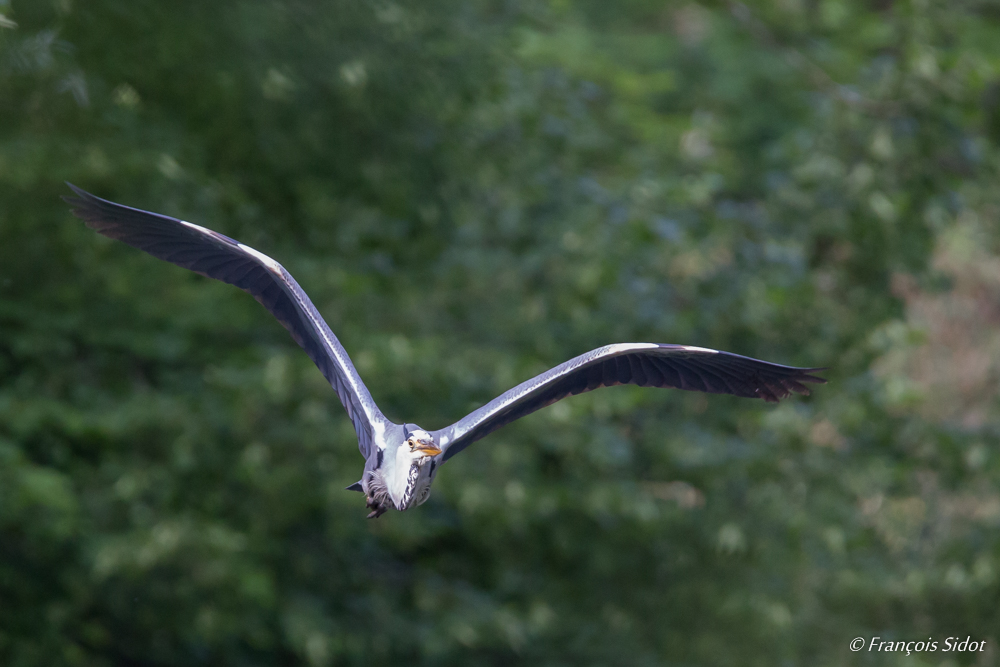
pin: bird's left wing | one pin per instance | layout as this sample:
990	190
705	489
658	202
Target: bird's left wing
643	364
217	256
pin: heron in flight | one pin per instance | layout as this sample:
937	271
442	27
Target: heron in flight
402	460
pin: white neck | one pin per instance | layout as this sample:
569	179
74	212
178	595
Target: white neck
397	472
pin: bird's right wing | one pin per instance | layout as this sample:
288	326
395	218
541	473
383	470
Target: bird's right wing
643	364
217	256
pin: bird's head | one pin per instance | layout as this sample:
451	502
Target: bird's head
421	445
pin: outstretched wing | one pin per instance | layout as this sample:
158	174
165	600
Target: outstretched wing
218	256
643	364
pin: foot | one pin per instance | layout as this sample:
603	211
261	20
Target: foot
377	510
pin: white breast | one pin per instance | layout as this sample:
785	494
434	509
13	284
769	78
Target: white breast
401	472
395	471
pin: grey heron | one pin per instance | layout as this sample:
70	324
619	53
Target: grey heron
402	460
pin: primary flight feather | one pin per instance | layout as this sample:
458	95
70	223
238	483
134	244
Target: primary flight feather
401	460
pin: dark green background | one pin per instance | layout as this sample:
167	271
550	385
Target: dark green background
472	192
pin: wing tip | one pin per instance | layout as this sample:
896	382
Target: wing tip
776	389
82	196
804	375
84	205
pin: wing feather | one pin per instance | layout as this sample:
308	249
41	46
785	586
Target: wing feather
217	256
653	376
643	364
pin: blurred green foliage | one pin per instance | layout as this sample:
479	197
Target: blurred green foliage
472	192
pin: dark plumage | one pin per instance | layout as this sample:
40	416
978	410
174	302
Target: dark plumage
642	364
401	460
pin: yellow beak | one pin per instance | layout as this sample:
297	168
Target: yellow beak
427	448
